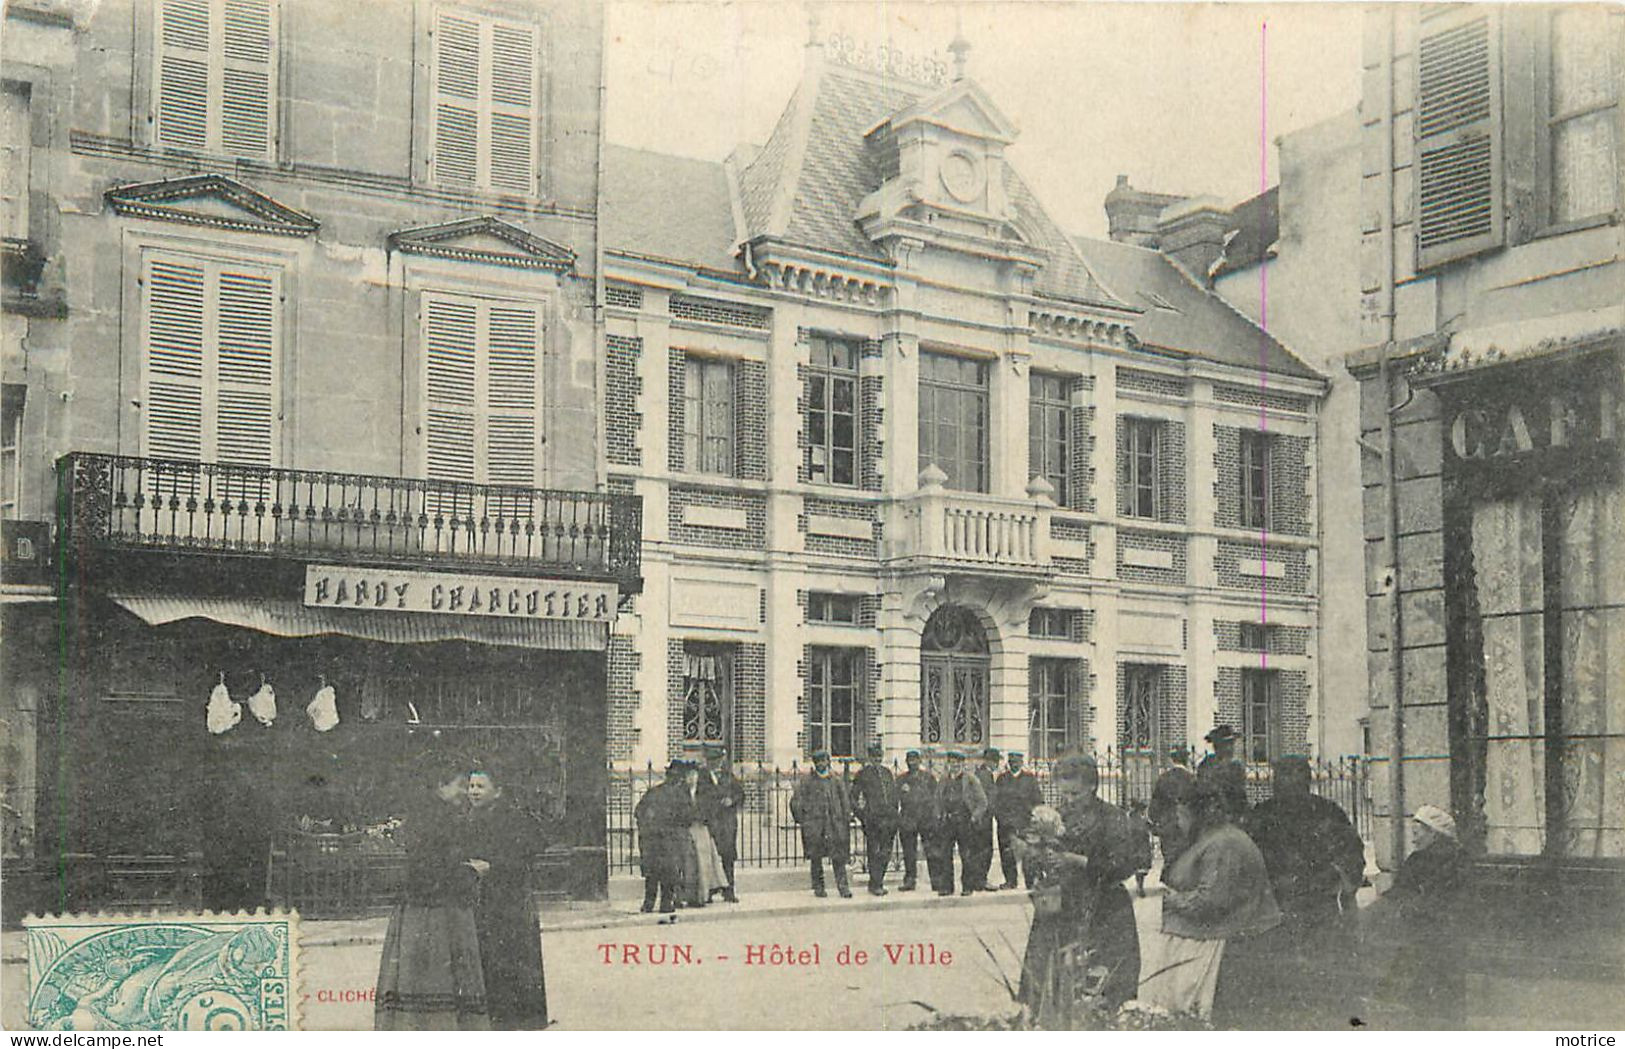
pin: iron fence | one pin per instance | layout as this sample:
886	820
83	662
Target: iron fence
769	837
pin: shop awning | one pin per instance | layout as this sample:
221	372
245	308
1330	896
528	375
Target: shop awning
287	619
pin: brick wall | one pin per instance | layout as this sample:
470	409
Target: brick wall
750	420
1150	382
1279	639
1173	545
842	546
622	386
715	311
627	296
676	408
1230	393
1230	552
624	662
871	419
1226	476
676	666
753	537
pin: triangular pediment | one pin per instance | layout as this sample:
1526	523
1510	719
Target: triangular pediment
962	107
210	200
484	239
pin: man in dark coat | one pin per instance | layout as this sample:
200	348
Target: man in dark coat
721	795
965	823
1015	794
1177	781
986	774
939	835
1225	771
1316	863
917	817
657	844
878	804
821	806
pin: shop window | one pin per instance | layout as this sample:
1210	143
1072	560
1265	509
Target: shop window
215	76
1048	412
1254	479
1141	716
1259	707
1052	708
482	395
1055	623
953	419
832	412
1140	471
482	110
211	359
841	609
707	692
708	416
834	700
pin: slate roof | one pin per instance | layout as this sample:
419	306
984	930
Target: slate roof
1255	224
1198	323
667	207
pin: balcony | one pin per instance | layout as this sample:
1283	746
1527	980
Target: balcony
968	531
131	504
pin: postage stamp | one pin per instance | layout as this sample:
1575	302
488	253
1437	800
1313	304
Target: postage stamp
164	972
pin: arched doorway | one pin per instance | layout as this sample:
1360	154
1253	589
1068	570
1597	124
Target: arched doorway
953	679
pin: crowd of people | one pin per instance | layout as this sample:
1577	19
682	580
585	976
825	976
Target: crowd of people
463	950
688	829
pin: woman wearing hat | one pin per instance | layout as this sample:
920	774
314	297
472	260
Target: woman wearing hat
1217	904
1411	930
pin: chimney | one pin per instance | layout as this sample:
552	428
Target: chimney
1192	233
1131	214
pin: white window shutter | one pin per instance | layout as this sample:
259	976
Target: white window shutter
457	104
513	393
248	77
183	83
173	360
451	370
512	107
1459	210
247	303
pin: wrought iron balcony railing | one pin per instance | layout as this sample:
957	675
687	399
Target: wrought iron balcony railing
131	503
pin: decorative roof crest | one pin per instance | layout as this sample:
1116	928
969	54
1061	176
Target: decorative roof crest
845	50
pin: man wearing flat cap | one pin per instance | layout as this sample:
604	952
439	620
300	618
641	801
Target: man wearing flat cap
987	775
878	804
1223	769
917	817
821	806
1015	794
721	795
965	821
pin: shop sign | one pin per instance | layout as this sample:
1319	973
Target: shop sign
329	586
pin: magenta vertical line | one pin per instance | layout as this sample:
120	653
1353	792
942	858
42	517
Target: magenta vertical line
1264	326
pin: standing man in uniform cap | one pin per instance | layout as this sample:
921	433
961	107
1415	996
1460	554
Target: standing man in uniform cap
965	823
938	833
1015	794
657	815
1224	771
878	804
987	775
820	804
722	795
917	792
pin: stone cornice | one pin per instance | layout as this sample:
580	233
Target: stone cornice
440	241
166	201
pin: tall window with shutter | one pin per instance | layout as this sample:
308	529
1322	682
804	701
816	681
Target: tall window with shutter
482	391
210	360
214	85
1459	208
483	107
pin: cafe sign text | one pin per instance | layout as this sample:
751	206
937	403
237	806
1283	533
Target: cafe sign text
329	586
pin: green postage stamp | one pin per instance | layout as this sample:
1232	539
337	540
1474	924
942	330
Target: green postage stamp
159	972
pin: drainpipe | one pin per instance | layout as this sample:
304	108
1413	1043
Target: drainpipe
600	322
1396	636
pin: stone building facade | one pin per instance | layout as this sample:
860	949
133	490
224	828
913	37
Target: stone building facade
294	293
920	467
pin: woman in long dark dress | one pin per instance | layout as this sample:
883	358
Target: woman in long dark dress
430	977
500	843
